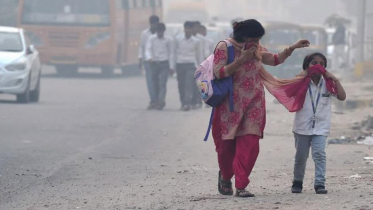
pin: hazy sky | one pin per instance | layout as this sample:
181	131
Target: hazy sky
297	11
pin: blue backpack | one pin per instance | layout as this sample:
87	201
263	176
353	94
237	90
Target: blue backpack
219	88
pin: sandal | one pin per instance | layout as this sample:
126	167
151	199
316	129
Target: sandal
224	187
244	193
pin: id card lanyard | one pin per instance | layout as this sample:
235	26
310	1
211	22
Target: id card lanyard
314	106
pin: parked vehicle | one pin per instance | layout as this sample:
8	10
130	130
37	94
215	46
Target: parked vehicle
20	67
318	38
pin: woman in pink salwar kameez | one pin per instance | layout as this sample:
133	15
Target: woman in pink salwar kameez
236	134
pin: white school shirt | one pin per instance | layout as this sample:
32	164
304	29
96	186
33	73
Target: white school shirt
143	41
160	49
204	47
304	118
186	50
211	46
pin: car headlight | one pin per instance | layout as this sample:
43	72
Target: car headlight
96	39
19	65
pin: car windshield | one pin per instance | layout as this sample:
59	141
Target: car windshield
66	12
10	42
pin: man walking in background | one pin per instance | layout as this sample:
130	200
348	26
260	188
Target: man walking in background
209	43
200	33
339	41
187	54
153	21
159	53
197	101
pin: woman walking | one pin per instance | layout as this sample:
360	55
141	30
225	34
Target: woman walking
236	134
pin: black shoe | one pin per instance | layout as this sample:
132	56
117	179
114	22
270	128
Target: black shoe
186	108
297	187
161	105
224	187
320	189
151	106
244	193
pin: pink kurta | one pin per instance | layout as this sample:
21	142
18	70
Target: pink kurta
249	115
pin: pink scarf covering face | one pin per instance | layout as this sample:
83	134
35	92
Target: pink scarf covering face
292	92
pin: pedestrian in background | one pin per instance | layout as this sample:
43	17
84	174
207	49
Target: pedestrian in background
202	39
153	22
197	102
339	55
209	43
159	54
209	46
187	55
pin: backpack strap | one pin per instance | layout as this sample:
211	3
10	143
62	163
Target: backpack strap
210	125
230	51
231	56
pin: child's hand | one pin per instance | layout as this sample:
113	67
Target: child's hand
331	76
300	44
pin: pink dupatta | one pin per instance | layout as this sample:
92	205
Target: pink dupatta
292	92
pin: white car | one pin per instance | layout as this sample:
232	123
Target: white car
20	67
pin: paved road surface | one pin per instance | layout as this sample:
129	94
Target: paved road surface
90	144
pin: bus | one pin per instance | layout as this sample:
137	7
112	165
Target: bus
318	38
87	33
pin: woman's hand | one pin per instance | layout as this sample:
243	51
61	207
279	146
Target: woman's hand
300	44
248	53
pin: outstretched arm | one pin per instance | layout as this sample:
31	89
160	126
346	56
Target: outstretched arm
279	58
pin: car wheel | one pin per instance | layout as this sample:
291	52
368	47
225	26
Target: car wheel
24	98
35	94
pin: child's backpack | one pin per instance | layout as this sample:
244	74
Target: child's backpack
214	91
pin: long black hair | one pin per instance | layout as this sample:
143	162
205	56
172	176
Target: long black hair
307	60
250	28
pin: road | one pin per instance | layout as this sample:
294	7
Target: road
90	144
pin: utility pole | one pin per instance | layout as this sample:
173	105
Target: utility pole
361	30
